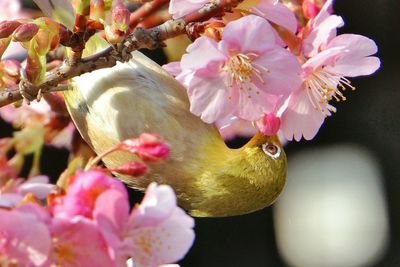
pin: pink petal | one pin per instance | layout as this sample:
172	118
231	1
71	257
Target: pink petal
78	242
231	127
24	238
38	189
179	8
209	98
203	54
166	243
9	200
173	68
111	215
323	58
256	106
111	210
319	37
249	34
324	13
355	61
301	119
283	74
157	205
277	13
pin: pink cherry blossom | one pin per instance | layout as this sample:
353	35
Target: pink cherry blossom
320	30
78	242
156	231
24	239
243	75
82	194
347	55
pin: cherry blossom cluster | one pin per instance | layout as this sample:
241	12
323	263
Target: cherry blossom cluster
86	220
274	63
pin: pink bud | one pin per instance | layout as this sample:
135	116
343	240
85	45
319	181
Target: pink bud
149	147
25	32
120	17
269	125
7	27
133	168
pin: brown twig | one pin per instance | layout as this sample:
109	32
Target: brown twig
144	11
140	38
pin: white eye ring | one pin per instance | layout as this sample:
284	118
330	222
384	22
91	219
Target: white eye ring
271	150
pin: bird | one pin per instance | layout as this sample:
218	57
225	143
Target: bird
209	179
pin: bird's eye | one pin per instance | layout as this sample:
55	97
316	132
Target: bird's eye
272	150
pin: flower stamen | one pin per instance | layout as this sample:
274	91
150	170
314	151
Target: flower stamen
242	70
322	86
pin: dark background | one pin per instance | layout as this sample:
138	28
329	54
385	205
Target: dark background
370	118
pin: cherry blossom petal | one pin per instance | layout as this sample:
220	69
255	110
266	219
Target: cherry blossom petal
157	205
23	238
111	215
231	126
283	74
321	35
356	60
173	68
159	231
321	59
238	36
209	98
301	119
179	8
277	13
78	242
9	200
254	107
203	54
166	243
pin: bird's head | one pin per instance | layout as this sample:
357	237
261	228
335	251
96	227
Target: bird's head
265	154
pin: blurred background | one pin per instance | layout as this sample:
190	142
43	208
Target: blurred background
341	205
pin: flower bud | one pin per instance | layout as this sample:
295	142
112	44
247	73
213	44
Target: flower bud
25	32
269	125
7	27
149	147
133	168
120	17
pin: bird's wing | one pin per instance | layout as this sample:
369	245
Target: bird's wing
110	105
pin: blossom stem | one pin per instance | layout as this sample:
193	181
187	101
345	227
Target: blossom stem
97	159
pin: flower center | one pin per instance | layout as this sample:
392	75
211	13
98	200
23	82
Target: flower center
322	86
242	70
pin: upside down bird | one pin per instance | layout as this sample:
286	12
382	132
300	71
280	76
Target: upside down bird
210	179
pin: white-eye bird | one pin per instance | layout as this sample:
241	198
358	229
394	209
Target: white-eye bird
210	179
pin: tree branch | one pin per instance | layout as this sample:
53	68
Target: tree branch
141	38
